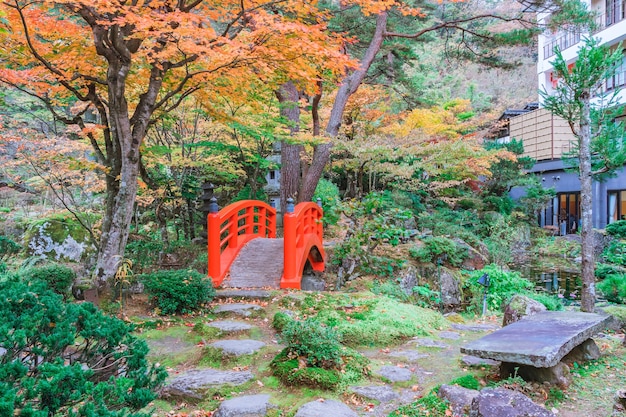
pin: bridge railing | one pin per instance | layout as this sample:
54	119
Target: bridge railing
303	231
231	228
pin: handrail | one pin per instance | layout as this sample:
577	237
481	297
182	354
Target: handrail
231	228
303	231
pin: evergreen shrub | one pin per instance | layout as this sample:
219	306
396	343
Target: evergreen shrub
503	285
328	192
69	359
178	291
614	288
58	277
8	247
617	229
438	247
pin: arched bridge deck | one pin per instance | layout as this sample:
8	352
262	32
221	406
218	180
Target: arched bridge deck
243	250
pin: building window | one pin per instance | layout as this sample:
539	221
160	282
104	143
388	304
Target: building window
616	206
568	212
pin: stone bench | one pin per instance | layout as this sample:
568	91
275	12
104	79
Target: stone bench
535	346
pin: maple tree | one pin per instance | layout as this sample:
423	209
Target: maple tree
132	62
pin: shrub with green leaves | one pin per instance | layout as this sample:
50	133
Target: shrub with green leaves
614	287
58	277
328	193
503	285
617	229
439	247
314	341
69	359
178	291
8	247
615	253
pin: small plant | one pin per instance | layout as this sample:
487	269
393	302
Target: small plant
503	285
439	247
614	287
551	302
178	291
58	277
615	253
8	248
466	381
312	340
429	405
328	193
281	320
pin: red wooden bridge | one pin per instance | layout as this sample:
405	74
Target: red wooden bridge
243	250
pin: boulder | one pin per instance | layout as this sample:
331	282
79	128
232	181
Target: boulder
586	351
408	280
519	307
246	406
228	326
469	360
558	374
502	402
460	398
325	408
451	294
241	309
380	393
198	383
395	373
238	347
474	260
619	403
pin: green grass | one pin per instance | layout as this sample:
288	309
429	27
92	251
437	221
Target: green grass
430	405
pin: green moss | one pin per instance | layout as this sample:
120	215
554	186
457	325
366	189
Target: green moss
430	405
280	320
466	381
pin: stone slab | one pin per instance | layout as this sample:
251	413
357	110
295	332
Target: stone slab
228	326
409	355
195	383
474	327
238	347
252	294
476	361
395	373
241	309
449	335
424	342
540	340
327	408
246	406
379	393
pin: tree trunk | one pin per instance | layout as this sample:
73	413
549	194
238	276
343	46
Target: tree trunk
588	292
350	84
288	97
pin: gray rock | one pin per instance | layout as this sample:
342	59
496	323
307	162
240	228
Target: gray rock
240	309
619	403
429	343
519	307
238	347
474	260
540	340
586	351
312	282
449	335
198	383
376	392
408	280
459	398
246	406
409	355
554	375
228	326
451	293
249	294
474	327
470	360
502	402
395	373
327	408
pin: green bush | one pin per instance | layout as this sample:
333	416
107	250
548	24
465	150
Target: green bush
58	277
504	284
466	381
290	373
8	247
551	302
615	253
329	195
178	291
614	288
617	229
69	359
439	247
281	320
604	270
314	341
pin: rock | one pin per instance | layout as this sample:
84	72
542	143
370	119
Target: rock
554	375
429	343
240	309
238	347
502	402
198	383
379	393
249	294
586	351
451	294
395	373
327	408
408	280
312	281
474	327
228	326
474	260
409	355
519	307
246	406
460	398
619	403
449	335
470	360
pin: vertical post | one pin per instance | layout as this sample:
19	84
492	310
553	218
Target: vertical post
213	246
289	235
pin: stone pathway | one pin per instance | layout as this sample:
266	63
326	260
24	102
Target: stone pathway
395	375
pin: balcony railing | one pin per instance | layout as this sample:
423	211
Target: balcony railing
563	42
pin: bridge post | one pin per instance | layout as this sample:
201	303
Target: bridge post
213	246
289	236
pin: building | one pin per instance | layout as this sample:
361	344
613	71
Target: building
547	138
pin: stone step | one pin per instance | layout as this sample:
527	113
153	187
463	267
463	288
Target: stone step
240	309
238	347
249	294
247	406
201	383
229	326
258	265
